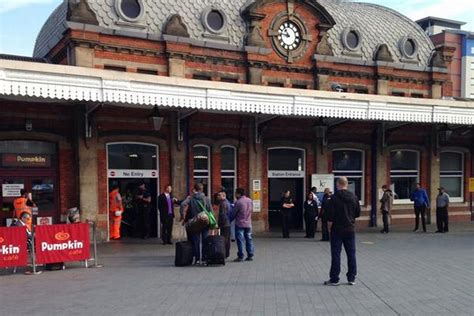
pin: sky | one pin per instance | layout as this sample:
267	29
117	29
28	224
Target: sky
21	20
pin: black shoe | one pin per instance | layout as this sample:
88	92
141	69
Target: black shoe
238	260
169	243
249	259
438	231
415	230
329	282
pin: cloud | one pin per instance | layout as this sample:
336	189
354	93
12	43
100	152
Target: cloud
10	5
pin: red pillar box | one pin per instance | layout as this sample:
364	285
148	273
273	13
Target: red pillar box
13	247
62	243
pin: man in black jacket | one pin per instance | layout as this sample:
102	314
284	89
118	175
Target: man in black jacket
166	207
343	208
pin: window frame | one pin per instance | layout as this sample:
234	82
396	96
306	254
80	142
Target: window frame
125	17
454	199
234	171
351	173
409	173
209	173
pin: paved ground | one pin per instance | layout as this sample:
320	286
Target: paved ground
399	274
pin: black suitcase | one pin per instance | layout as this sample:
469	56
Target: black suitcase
184	254
54	266
214	250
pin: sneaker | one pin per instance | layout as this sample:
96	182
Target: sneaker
249	259
238	260
329	282
351	282
197	263
415	230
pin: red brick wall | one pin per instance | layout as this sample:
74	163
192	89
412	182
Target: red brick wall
68	191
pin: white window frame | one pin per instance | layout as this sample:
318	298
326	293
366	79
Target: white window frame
208	177
409	173
350	173
234	171
455	199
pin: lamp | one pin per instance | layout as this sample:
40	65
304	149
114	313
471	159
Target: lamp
155	119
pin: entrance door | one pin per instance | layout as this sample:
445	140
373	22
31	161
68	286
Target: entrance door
276	187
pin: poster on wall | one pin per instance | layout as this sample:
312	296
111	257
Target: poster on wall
12	189
256	206
322	181
48	220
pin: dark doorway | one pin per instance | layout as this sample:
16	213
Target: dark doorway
276	186
128	187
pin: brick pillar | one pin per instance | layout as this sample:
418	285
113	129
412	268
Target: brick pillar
322	161
84	57
177	67
256	171
382	178
434	179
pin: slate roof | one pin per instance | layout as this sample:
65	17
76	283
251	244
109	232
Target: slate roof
376	24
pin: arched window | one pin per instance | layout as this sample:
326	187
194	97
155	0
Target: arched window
229	170
452	174
350	163
404	173
202	166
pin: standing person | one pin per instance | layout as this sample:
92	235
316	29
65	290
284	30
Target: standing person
22	204
115	211
322	215
343	209
143	202
166	208
198	202
223	220
421	203
287	206
386	207
243	225
310	214
314	190
442	204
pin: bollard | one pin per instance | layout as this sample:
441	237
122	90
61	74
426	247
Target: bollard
94	238
33	255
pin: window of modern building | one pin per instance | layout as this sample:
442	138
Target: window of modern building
404	173
350	163
202	166
229	170
452	174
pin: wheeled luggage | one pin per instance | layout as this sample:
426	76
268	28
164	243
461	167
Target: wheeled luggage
214	250
184	254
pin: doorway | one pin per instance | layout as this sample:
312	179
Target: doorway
276	187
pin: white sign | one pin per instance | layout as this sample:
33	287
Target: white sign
257	186
256	206
285	174
12	190
125	173
44	220
322	181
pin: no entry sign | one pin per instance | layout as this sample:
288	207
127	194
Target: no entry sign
13	247
62	243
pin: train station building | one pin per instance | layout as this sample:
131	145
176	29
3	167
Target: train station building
267	95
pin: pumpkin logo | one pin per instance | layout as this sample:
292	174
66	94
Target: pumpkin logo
61	236
1	240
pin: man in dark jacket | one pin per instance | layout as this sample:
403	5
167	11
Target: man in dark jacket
166	207
197	204
223	220
386	207
343	209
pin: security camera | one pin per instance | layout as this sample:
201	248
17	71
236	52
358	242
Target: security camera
337	87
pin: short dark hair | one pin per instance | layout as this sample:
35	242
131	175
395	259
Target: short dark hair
199	187
22	192
313	189
25	214
240	191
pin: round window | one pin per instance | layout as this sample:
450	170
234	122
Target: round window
352	40
410	47
131	8
215	20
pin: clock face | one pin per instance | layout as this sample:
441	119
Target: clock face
289	36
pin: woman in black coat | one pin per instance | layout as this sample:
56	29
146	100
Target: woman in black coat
310	214
287	206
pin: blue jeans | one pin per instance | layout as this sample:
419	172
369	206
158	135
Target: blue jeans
244	235
348	240
197	246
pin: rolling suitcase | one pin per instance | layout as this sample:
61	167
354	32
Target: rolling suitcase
214	250
184	254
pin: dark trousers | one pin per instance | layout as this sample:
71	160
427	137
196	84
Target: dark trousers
285	223
385	221
442	218
166	229
310	223
225	232
324	230
420	210
144	222
197	240
338	239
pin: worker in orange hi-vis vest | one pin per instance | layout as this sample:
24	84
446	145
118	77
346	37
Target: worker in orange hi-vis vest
115	211
20	205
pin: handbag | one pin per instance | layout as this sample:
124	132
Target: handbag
210	215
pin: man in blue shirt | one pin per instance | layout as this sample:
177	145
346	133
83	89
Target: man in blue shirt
421	202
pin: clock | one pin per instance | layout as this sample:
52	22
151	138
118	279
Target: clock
289	35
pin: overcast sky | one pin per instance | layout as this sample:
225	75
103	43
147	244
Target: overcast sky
21	20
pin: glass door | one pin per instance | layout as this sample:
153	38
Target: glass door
11	187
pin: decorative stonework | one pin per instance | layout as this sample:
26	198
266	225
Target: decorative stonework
383	54
176	27
80	12
255	37
324	47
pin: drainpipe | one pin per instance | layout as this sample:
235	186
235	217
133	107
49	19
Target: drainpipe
373	179
186	152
